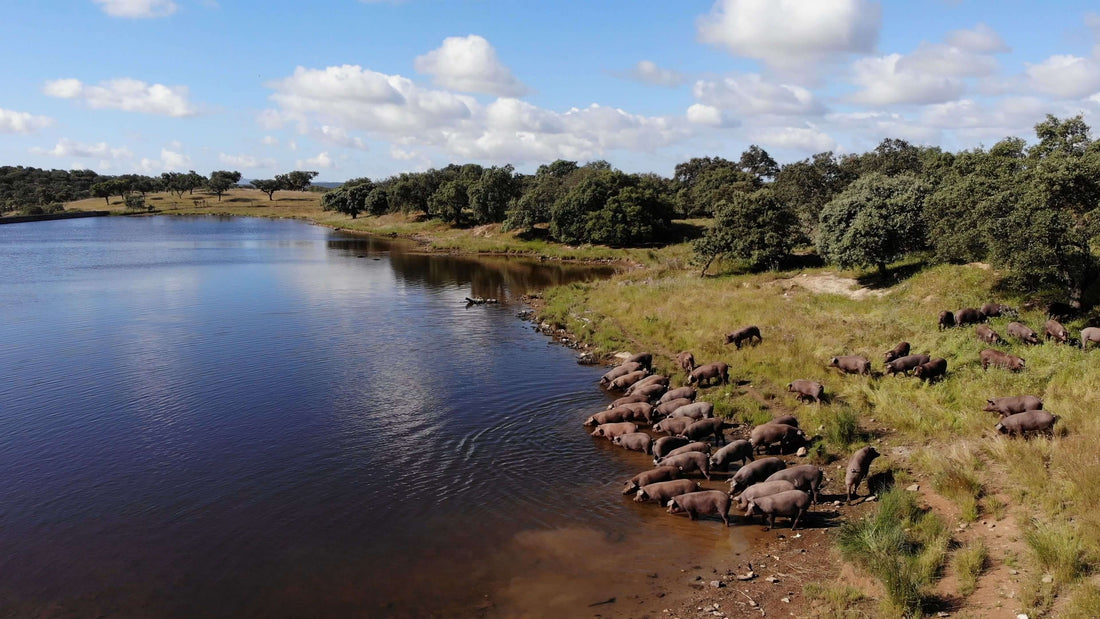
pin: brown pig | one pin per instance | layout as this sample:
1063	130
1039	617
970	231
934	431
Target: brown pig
652	476
628	399
997	309
947	320
704	428
1010	405
696	410
677	393
858	466
791	504
996	358
932	371
753	472
764	488
765	435
662	491
806	477
611	430
635	441
614	415
1027	422
750	334
986	334
621	370
664	409
649	391
645	358
689	461
638	411
740	450
897	352
1089	334
1054	329
685	361
664	445
708	372
787	420
702	502
851	364
806	389
659	379
906	364
701	447
627	380
673	425
1022	332
968	315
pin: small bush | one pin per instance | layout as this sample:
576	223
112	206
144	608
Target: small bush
1058	549
970	562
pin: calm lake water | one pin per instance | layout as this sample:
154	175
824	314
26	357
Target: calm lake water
245	417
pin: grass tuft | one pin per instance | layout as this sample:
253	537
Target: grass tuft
1057	549
970	562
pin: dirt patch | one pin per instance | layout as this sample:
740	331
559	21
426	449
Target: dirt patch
828	283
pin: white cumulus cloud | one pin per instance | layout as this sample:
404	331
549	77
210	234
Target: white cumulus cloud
804	139
321	161
22	122
339	137
125	94
1065	76
647	71
469	64
137	8
786	33
69	148
751	95
170	161
981	39
707	115
247	162
885	82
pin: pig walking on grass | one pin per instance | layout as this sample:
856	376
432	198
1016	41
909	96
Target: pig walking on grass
1027	422
1022	332
805	477
1010	405
996	358
858	466
806	389
851	364
897	352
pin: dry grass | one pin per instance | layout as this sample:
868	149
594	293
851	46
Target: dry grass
970	562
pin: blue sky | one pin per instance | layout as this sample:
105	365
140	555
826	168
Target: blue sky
353	88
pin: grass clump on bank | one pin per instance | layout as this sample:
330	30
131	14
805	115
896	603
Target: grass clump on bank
901	545
970	562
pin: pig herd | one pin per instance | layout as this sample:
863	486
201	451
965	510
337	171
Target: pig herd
686	440
687	443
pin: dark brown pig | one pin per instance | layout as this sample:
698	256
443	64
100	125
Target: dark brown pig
652	476
740	450
614	415
968	316
635	441
685	361
851	364
650	391
805	477
689	461
622	370
662	491
673	426
1022	332
702	502
787	420
696	410
639	412
677	393
664	409
947	320
611	430
765	435
997	309
709	372
906	364
897	352
645	358
1089	334
986	334
750	334
664	445
791	504
627	380
754	472
858	466
628	399
658	379
699	446
705	428
998	359
806	389
1027	422
1010	405
1054	329
764	488
932	371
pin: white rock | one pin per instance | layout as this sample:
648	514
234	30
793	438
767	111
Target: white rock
801	453
785	600
1048	579
913	488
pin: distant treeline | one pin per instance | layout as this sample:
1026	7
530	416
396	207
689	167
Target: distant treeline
1029	210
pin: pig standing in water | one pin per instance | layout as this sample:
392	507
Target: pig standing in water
704	502
622	370
792	504
857	469
690	461
806	477
611	430
687	393
755	471
704	428
664	490
664	445
652	476
699	446
673	425
635	441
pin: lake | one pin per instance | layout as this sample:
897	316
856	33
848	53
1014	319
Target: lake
248	417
